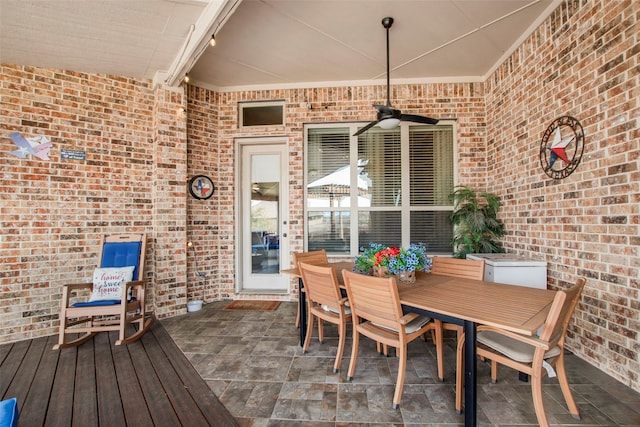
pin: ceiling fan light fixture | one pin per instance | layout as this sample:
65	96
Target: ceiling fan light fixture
390	123
389	117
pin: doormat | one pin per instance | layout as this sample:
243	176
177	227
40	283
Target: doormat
253	305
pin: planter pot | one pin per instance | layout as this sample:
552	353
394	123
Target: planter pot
406	277
194	305
378	271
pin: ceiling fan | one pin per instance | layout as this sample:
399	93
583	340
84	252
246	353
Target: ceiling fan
389	117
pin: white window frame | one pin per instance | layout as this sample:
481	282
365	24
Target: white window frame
406	209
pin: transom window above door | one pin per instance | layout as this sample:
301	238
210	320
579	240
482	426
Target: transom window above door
260	113
384	186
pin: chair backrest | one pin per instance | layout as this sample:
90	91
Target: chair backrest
311	257
557	322
373	298
467	268
320	284
123	250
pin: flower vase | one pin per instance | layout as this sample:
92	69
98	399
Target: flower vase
379	271
406	277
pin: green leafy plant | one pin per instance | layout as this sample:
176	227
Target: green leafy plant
476	227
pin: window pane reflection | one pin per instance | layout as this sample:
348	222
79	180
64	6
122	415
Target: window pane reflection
433	229
379	227
329	230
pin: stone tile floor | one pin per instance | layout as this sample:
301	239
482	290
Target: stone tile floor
254	364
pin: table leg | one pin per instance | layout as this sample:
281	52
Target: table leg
470	385
302	304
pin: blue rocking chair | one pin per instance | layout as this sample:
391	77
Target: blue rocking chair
121	256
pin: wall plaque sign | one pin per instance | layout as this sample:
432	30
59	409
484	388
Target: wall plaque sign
73	154
201	187
561	147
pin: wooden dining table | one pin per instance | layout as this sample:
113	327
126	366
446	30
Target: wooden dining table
464	302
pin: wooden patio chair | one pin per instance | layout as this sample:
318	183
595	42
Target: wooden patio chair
312	257
377	314
455	267
536	355
325	301
117	294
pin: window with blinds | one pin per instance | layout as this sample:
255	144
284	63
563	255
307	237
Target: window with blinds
384	186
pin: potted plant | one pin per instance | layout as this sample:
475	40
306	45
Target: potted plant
477	228
382	260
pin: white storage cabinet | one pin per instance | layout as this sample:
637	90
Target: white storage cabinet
513	270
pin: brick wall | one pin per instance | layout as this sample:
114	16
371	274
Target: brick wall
212	151
170	202
583	62
54	212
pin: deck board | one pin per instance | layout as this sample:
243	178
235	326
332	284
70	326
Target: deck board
85	409
110	411
40	389
132	397
60	408
149	382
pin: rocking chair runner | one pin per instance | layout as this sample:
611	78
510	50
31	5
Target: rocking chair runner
89	318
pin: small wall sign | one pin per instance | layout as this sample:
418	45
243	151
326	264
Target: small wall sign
73	154
561	147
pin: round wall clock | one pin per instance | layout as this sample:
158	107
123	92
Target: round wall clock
201	187
561	147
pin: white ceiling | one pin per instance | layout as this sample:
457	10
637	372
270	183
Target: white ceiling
269	43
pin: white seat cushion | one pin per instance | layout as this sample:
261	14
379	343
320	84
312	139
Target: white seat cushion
325	307
514	349
410	327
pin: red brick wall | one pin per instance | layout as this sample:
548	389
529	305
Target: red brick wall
212	152
583	62
170	202
54	212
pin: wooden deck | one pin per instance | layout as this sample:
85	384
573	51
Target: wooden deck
146	383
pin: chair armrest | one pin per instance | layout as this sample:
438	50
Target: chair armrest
138	285
77	286
135	284
534	341
407	318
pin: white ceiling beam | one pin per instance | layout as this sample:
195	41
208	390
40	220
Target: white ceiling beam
211	20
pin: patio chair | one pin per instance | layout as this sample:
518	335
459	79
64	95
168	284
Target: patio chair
455	267
325	301
536	355
377	314
312	257
117	295
9	412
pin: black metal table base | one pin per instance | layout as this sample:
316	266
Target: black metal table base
302	305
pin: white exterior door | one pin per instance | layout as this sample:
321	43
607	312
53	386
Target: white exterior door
263	216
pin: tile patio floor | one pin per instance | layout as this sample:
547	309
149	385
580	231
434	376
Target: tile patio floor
253	363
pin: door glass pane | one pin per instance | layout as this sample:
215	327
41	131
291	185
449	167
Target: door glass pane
265	208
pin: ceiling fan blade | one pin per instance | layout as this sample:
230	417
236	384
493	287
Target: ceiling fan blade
418	119
366	128
383	108
388	116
